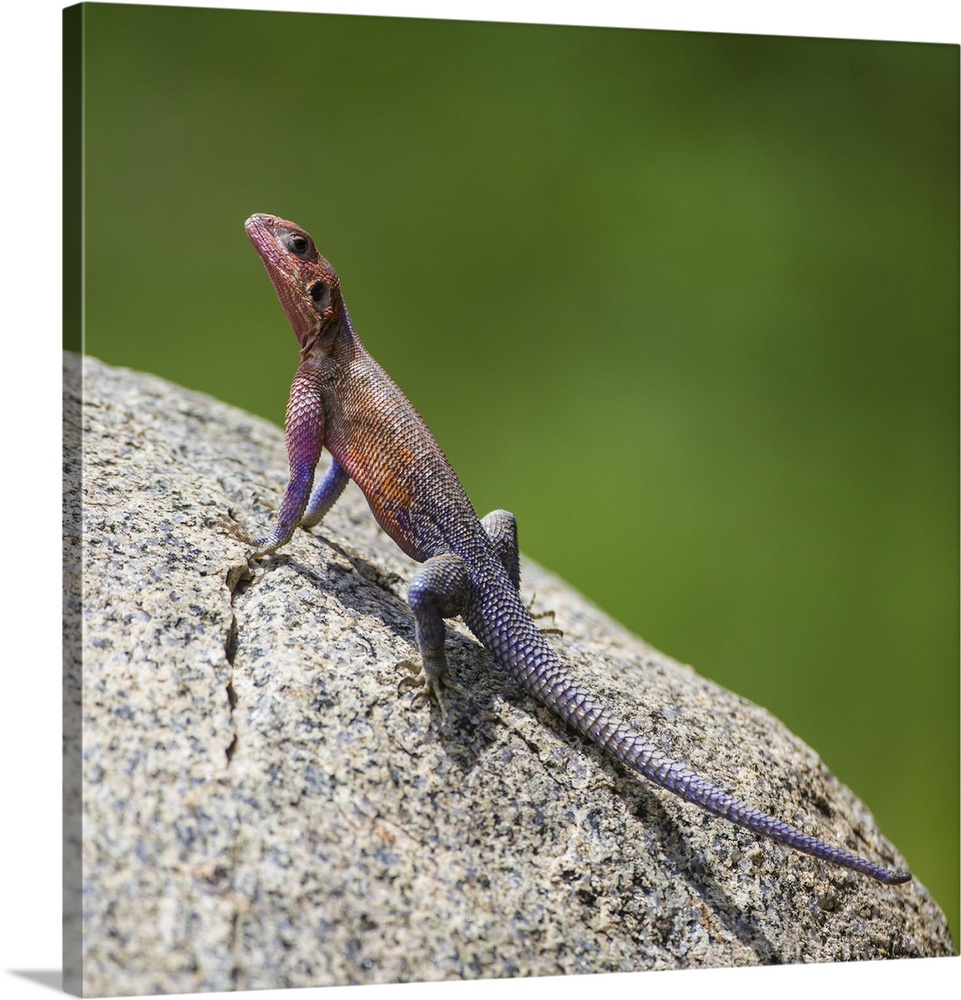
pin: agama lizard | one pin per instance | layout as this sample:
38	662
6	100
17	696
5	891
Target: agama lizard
343	400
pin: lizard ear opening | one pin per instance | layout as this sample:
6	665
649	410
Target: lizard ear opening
318	292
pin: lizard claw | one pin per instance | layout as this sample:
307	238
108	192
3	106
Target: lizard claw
418	679
415	676
258	547
234	528
242	573
537	615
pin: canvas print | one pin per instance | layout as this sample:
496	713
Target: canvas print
416	369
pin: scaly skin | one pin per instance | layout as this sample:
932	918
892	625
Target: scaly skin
343	400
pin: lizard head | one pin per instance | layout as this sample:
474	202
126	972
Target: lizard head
305	282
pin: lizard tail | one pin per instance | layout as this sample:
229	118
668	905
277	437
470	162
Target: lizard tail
578	708
535	665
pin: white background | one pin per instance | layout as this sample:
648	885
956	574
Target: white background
30	685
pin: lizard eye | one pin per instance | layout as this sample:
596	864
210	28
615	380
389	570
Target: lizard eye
298	244
318	292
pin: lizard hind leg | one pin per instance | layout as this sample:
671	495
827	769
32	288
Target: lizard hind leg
501	529
438	591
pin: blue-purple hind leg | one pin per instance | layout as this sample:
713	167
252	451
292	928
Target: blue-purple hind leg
438	591
501	528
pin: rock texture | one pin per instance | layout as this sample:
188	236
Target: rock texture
263	806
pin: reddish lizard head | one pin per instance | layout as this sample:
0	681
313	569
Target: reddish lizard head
310	289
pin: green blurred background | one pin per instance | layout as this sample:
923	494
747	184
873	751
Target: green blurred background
686	303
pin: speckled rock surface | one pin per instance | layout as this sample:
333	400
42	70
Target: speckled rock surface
263	806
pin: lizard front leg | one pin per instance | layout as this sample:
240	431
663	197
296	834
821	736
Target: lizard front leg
304	437
325	495
438	591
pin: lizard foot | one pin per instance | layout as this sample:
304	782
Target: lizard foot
537	615
234	528
259	547
239	574
418	679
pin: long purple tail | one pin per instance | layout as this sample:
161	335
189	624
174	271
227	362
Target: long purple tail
515	642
